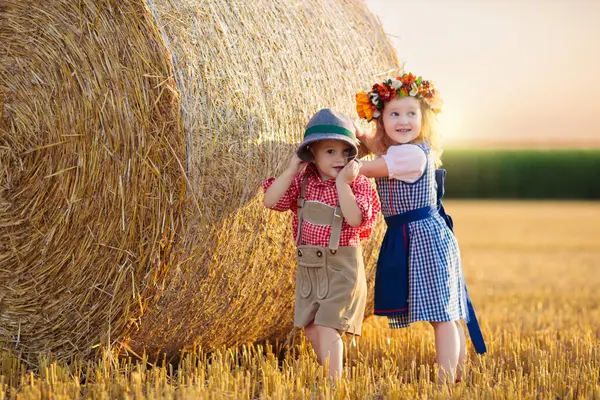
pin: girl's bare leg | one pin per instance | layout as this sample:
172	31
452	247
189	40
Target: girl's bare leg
332	347
462	355
447	349
312	333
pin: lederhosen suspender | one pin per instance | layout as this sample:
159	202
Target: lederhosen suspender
319	213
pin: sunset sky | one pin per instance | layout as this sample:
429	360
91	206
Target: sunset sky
510	72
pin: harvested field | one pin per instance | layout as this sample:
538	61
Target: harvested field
531	268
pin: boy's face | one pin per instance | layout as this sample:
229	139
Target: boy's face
330	156
402	119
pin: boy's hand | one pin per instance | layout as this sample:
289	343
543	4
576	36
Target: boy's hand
296	165
348	174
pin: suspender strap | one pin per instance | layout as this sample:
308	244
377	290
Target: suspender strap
336	228
336	222
301	208
303	187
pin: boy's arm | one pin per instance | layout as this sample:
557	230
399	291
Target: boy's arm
276	191
279	187
347	200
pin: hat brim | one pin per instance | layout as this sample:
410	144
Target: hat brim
304	153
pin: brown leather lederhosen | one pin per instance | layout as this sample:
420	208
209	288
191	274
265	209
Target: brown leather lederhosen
331	288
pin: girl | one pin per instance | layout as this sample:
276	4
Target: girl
419	275
334	209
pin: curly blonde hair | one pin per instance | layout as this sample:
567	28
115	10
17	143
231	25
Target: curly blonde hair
429	134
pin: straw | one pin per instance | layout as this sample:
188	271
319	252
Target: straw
133	140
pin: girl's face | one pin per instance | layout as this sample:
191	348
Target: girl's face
402	119
330	156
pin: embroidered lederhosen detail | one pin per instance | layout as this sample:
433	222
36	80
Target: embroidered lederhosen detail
314	259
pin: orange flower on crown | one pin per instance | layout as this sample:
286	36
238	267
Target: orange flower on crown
407	79
364	108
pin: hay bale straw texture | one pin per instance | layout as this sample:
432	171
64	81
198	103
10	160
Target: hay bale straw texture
134	138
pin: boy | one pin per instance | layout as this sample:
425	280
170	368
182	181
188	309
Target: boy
334	209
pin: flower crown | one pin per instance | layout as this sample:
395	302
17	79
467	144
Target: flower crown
369	105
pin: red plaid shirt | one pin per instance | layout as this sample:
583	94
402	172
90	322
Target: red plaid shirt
325	192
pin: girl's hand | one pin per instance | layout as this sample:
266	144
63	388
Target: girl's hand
348	174
361	135
296	165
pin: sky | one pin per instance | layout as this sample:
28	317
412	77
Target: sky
511	73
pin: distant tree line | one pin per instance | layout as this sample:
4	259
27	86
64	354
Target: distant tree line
522	174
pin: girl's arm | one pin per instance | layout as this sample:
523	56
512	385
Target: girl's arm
374	169
275	192
368	141
405	163
369	144
347	200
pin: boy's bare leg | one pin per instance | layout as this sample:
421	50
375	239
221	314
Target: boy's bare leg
312	333
332	347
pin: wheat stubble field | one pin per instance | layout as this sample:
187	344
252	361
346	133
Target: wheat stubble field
532	271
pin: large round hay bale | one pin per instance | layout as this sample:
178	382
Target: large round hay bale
134	136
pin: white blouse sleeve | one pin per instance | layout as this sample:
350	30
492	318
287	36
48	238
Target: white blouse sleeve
405	162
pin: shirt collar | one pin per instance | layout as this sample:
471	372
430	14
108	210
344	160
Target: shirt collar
311	170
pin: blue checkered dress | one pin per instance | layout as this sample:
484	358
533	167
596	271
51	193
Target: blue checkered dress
436	289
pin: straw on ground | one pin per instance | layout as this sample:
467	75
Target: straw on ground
532	272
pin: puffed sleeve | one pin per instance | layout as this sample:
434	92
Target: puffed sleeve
289	200
368	203
405	162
